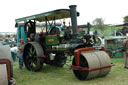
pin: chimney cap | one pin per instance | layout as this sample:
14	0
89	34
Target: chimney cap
72	6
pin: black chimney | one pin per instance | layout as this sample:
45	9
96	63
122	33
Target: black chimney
73	15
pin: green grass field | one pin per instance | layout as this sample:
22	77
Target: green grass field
51	75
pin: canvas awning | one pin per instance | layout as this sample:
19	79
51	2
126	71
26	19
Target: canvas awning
58	14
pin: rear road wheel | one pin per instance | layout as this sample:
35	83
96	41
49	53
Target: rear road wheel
31	56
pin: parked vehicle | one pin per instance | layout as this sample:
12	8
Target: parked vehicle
113	45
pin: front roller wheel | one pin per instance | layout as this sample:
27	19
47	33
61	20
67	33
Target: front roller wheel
31	56
81	75
98	63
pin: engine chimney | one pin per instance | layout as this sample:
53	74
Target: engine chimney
73	15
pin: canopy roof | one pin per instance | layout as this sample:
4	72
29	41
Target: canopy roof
115	37
58	14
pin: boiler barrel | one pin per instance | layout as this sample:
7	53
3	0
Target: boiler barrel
91	60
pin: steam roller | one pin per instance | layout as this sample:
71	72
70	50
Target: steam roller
53	46
6	68
90	63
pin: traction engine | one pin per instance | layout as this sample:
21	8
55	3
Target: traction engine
54	45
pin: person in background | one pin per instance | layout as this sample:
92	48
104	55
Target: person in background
14	51
125	49
20	54
6	41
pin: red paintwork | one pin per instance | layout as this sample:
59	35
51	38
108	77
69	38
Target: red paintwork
77	59
89	69
43	56
41	35
78	51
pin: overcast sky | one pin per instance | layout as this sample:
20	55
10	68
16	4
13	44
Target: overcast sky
112	11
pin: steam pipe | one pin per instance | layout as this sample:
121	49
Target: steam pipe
89	26
73	15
